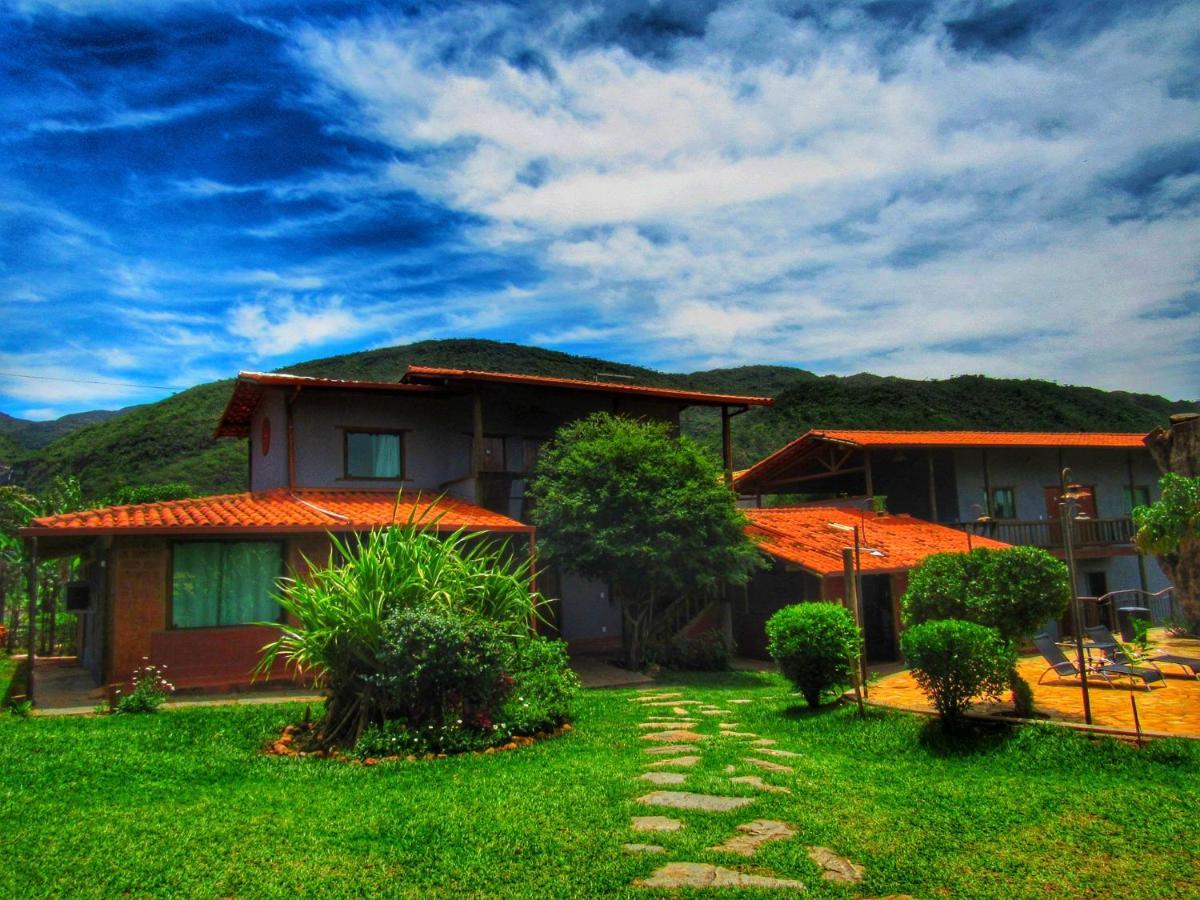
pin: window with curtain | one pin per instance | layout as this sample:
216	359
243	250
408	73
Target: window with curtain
1004	503
1138	496
373	454
224	583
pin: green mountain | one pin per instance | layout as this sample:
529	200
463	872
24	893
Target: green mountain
32	435
171	440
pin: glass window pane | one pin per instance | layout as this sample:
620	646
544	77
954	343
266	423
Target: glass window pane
196	584
248	583
1004	503
371	455
224	583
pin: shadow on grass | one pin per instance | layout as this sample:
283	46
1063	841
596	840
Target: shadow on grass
969	738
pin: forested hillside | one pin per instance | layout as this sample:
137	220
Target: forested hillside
171	441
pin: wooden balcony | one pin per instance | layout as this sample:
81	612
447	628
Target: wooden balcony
1088	532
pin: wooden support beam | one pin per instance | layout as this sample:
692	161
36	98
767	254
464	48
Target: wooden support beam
987	484
32	586
291	438
867	470
1132	500
933	510
727	446
816	476
477	448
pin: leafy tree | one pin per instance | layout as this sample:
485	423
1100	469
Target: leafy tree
1015	591
629	503
149	493
1170	529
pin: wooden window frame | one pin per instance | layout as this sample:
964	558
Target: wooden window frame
995	514
348	430
283	573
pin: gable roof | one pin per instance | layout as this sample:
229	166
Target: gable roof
274	512
249	387
754	479
433	375
813	538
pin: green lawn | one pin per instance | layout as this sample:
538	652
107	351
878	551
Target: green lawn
182	803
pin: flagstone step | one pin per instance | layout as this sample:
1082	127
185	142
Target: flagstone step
655	823
758	784
670	748
688	800
704	875
663	777
680	762
754	835
836	868
674	735
769	766
644	848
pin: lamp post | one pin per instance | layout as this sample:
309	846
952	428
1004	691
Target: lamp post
1067	505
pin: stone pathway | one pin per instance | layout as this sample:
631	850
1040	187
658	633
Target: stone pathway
663	777
682	735
759	785
703	875
753	835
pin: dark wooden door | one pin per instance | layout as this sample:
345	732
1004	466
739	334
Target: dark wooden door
879	624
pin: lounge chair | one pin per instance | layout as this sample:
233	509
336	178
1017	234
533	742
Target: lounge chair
1113	649
1065	668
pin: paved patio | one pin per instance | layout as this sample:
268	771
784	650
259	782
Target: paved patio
1171	709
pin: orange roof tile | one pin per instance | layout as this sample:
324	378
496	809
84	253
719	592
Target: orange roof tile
1122	440
757	477
425	374
808	537
276	511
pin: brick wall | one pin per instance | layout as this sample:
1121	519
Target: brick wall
139	576
138	572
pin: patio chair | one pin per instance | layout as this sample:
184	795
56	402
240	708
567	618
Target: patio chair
1112	648
1065	668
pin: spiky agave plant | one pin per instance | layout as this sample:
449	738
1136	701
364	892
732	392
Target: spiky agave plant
335	623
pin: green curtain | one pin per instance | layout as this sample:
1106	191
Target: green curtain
196	584
224	583
372	455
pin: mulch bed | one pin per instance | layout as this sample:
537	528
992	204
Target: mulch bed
301	741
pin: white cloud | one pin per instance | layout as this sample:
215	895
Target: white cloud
278	325
845	200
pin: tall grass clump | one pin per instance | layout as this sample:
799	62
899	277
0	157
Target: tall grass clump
340	624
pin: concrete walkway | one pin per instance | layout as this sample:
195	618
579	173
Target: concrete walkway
61	687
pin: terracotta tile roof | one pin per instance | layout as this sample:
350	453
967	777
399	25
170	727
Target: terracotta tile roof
249	387
276	511
1123	440
430	374
807	537
757	477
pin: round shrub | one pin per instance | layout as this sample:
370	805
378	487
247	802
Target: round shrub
816	646
544	686
434	668
954	662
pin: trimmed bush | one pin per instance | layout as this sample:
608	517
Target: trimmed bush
1015	590
435	668
709	652
955	662
816	646
544	687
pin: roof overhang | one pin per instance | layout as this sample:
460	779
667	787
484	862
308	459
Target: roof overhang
429	375
249	388
790	460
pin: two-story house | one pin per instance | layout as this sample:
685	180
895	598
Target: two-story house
183	582
989	484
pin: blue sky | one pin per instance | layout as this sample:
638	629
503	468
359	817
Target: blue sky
920	189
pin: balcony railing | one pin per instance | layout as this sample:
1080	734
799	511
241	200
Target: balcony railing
1088	532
